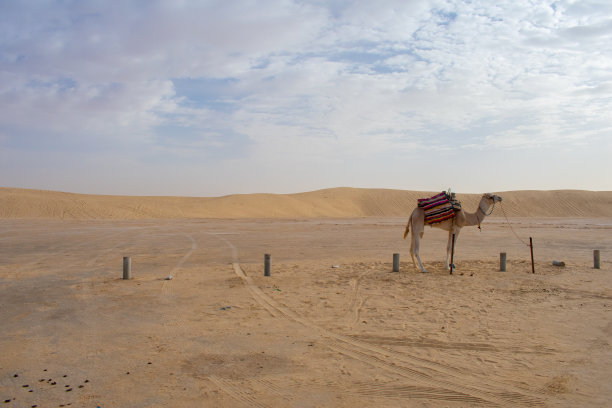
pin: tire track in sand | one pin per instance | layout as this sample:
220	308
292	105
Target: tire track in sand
355	302
237	393
166	285
427	374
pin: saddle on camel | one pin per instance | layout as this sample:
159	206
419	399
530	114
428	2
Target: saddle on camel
440	207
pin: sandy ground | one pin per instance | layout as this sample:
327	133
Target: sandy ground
220	334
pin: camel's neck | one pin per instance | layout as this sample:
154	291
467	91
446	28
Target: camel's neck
479	215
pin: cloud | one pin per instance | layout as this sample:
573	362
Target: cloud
312	82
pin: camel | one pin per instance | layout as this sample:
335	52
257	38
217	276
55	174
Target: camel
453	226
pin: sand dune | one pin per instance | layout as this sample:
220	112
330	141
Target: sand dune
336	202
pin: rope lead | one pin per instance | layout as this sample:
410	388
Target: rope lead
510	225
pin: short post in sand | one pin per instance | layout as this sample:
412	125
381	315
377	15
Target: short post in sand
266	264
502	262
451	266
127	267
531	247
596	262
395	262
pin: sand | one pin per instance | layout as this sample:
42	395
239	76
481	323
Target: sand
329	203
331	326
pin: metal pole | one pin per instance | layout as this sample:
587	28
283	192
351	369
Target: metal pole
502	262
531	247
451	266
266	264
596	262
395	262
127	267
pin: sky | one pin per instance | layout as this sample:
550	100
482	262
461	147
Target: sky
208	98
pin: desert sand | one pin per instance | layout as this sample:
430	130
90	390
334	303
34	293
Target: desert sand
329	203
332	326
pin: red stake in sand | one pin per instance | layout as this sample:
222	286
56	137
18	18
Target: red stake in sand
451	266
531	247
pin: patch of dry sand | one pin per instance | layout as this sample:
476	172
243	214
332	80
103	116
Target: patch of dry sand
337	202
221	334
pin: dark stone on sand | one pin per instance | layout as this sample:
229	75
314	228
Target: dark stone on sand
64	376
86	381
81	386
69	389
53	383
7	401
25	385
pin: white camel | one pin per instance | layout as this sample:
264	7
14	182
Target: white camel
453	225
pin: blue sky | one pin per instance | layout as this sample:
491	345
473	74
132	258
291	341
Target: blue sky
207	98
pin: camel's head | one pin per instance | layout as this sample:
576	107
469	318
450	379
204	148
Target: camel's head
492	197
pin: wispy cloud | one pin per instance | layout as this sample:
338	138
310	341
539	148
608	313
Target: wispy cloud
197	86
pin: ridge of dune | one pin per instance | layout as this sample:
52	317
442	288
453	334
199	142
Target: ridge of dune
342	202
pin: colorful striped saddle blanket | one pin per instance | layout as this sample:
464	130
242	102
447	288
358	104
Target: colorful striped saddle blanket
440	207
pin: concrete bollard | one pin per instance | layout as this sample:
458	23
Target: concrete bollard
266	264
395	262
596	261
502	262
127	267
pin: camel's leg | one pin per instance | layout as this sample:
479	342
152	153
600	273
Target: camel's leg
412	239
450	244
415	246
416	252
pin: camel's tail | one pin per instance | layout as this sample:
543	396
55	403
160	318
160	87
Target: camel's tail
407	228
